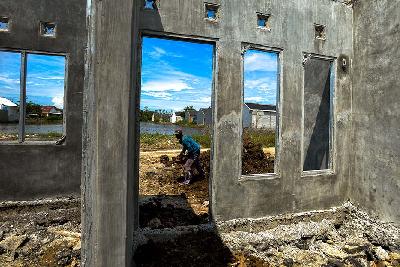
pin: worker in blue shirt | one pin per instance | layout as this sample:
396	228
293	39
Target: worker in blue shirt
193	154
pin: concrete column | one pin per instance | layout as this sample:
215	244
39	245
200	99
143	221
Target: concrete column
108	179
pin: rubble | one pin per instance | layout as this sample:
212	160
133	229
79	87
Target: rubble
34	235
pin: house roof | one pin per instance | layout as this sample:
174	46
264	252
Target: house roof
260	106
47	108
7	102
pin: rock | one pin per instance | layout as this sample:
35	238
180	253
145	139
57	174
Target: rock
288	262
333	263
332	251
330	242
381	254
13	242
154	223
394	256
206	203
77	246
357	262
352	249
1	235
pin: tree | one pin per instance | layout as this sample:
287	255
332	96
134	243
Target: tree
32	108
188	108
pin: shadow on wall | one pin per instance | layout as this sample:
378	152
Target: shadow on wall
317	112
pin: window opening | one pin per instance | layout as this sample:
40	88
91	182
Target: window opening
173	188
260	112
320	32
31	96
48	29
150	4
45	82
318	104
4	24
263	21
211	11
10	66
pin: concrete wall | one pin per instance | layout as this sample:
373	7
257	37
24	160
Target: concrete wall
292	34
376	107
34	170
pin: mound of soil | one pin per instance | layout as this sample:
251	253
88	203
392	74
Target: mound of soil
254	160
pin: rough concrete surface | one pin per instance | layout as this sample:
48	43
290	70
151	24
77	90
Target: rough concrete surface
47	233
376	107
33	170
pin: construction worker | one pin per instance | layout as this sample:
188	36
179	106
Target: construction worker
193	156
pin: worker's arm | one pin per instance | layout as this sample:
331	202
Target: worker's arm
184	147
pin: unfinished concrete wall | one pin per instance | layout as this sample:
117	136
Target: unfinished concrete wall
292	33
33	170
376	107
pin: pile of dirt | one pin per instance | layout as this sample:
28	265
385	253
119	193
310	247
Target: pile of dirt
165	202
42	233
254	160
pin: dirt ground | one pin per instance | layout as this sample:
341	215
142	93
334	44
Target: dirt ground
47	233
160	189
40	233
175	229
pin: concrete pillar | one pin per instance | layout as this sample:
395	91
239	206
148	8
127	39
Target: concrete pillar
108	179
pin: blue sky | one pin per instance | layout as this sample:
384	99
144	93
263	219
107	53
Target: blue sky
176	74
260	77
44	81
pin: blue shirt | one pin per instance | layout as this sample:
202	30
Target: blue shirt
190	145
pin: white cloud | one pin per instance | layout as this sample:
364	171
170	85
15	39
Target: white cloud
262	84
49	78
58	101
165	85
253	99
5	79
206	99
261	61
161	95
157	52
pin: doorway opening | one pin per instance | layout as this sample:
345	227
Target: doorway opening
175	132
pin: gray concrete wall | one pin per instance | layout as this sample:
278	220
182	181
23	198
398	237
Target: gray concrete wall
34	170
376	107
110	205
292	33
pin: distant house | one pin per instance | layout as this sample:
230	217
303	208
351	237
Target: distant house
177	117
259	116
160	117
204	116
9	111
51	111
191	116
